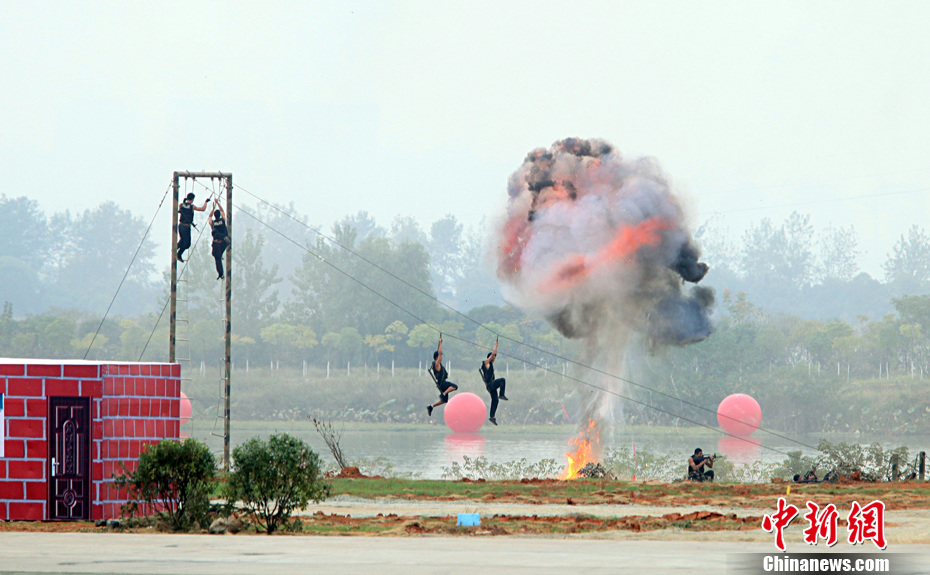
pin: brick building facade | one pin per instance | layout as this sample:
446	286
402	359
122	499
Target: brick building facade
68	425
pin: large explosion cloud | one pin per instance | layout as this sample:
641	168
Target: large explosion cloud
596	244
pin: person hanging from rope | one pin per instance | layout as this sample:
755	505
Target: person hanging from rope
491	384
220	234
185	221
439	374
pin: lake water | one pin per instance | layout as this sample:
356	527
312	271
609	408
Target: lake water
425	450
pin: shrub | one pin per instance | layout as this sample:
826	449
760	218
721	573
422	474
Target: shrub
174	478
273	478
481	468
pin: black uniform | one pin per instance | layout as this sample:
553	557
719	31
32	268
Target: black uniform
699	474
185	221
442	381
220	243
492	385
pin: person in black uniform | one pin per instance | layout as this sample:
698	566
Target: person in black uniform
441	377
185	221
493	385
220	237
696	465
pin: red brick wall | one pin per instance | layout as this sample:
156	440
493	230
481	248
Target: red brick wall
132	405
140	406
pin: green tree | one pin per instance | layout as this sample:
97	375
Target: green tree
94	250
173	477
405	229
274	478
422	336
477	285
330	341
24	232
739	308
488	332
908	266
83	343
349	343
446	257
335	288
289	340
378	343
132	339
21	285
395	333
838	254
781	255
363	227
258	301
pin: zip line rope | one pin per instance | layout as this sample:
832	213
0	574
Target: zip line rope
565	359
120	286
479	324
593	386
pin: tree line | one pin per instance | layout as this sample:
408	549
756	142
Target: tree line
300	296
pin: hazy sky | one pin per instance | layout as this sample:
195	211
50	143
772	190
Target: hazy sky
754	109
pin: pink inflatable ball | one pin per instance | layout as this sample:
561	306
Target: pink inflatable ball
186	408
465	412
739	414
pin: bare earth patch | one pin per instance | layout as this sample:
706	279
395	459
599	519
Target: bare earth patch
367	506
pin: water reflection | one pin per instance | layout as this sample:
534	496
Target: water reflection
426	450
460	444
740	450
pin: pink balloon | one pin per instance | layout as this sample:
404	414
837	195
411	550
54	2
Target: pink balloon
465	412
739	414
186	408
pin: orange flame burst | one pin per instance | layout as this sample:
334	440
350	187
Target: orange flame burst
624	245
583	454
516	233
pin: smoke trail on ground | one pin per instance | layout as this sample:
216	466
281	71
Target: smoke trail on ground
597	245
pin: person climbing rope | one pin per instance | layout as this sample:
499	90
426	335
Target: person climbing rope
491	384
220	234
441	378
185	221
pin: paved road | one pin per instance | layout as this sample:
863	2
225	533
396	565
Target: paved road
233	555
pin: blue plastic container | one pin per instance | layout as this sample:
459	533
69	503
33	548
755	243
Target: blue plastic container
468	520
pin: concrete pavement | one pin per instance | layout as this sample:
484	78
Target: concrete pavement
116	553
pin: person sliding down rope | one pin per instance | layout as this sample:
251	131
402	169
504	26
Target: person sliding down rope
185	221
487	375
440	376
220	237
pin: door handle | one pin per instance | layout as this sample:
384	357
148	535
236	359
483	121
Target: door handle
54	467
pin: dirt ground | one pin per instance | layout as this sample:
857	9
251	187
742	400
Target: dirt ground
656	511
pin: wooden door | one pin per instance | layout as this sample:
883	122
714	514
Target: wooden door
69	458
